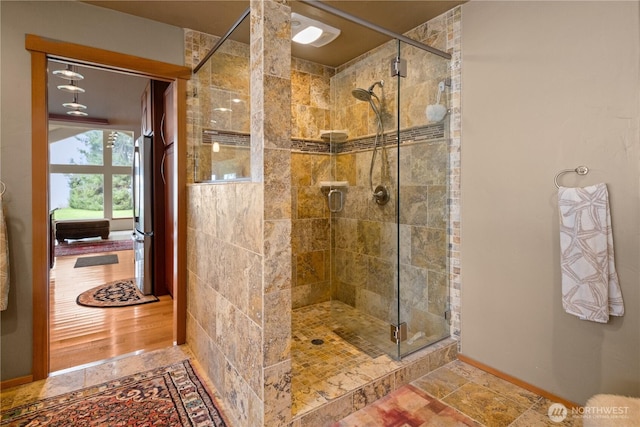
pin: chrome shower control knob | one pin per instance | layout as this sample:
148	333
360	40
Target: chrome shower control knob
381	195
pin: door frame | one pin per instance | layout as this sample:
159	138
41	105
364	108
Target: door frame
41	50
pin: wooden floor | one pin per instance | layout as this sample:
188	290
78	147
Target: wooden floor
80	335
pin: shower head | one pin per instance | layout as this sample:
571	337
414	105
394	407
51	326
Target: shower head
366	94
361	94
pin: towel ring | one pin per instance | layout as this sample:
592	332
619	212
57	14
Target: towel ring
580	170
3	188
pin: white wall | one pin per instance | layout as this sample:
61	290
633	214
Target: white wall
547	86
71	22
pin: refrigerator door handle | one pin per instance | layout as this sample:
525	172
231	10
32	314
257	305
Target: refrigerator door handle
144	233
136	165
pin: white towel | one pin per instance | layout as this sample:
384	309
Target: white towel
590	288
4	262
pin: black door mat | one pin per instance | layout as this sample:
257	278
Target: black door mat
90	261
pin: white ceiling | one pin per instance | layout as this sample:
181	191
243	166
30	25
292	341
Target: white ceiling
109	95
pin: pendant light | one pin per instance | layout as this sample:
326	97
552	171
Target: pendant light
68	74
77	113
111	141
76	107
71	87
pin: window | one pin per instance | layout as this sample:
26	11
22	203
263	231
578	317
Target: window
90	173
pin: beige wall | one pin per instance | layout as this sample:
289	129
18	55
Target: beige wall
547	86
71	22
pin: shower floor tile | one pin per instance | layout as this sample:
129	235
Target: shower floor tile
334	367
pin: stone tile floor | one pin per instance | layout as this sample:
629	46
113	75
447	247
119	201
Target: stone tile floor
456	394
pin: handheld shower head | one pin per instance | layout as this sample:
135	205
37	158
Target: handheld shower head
361	94
366	94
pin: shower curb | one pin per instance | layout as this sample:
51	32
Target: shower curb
413	367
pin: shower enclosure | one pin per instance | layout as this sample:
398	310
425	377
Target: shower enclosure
372	190
368	279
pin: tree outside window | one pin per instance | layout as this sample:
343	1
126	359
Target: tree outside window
91	174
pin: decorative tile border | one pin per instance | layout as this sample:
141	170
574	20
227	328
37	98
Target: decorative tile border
417	134
209	136
310	146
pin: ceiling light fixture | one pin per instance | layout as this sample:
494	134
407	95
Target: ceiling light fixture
75	106
76	109
77	113
68	74
311	32
308	35
71	87
111	141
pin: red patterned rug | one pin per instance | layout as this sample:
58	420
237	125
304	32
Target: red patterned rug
92	247
168	396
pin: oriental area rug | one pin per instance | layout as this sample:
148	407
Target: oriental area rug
92	247
119	293
168	396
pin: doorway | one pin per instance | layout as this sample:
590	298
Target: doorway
41	51
94	119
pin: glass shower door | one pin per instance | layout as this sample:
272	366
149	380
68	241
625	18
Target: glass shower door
422	156
364	232
389	241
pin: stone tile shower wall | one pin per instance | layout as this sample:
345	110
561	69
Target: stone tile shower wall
239	242
310	164
310	233
310	113
425	176
310	98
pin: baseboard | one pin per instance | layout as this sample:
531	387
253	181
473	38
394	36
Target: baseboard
518	382
16	382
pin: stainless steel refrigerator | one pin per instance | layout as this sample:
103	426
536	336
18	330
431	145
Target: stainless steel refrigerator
142	213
